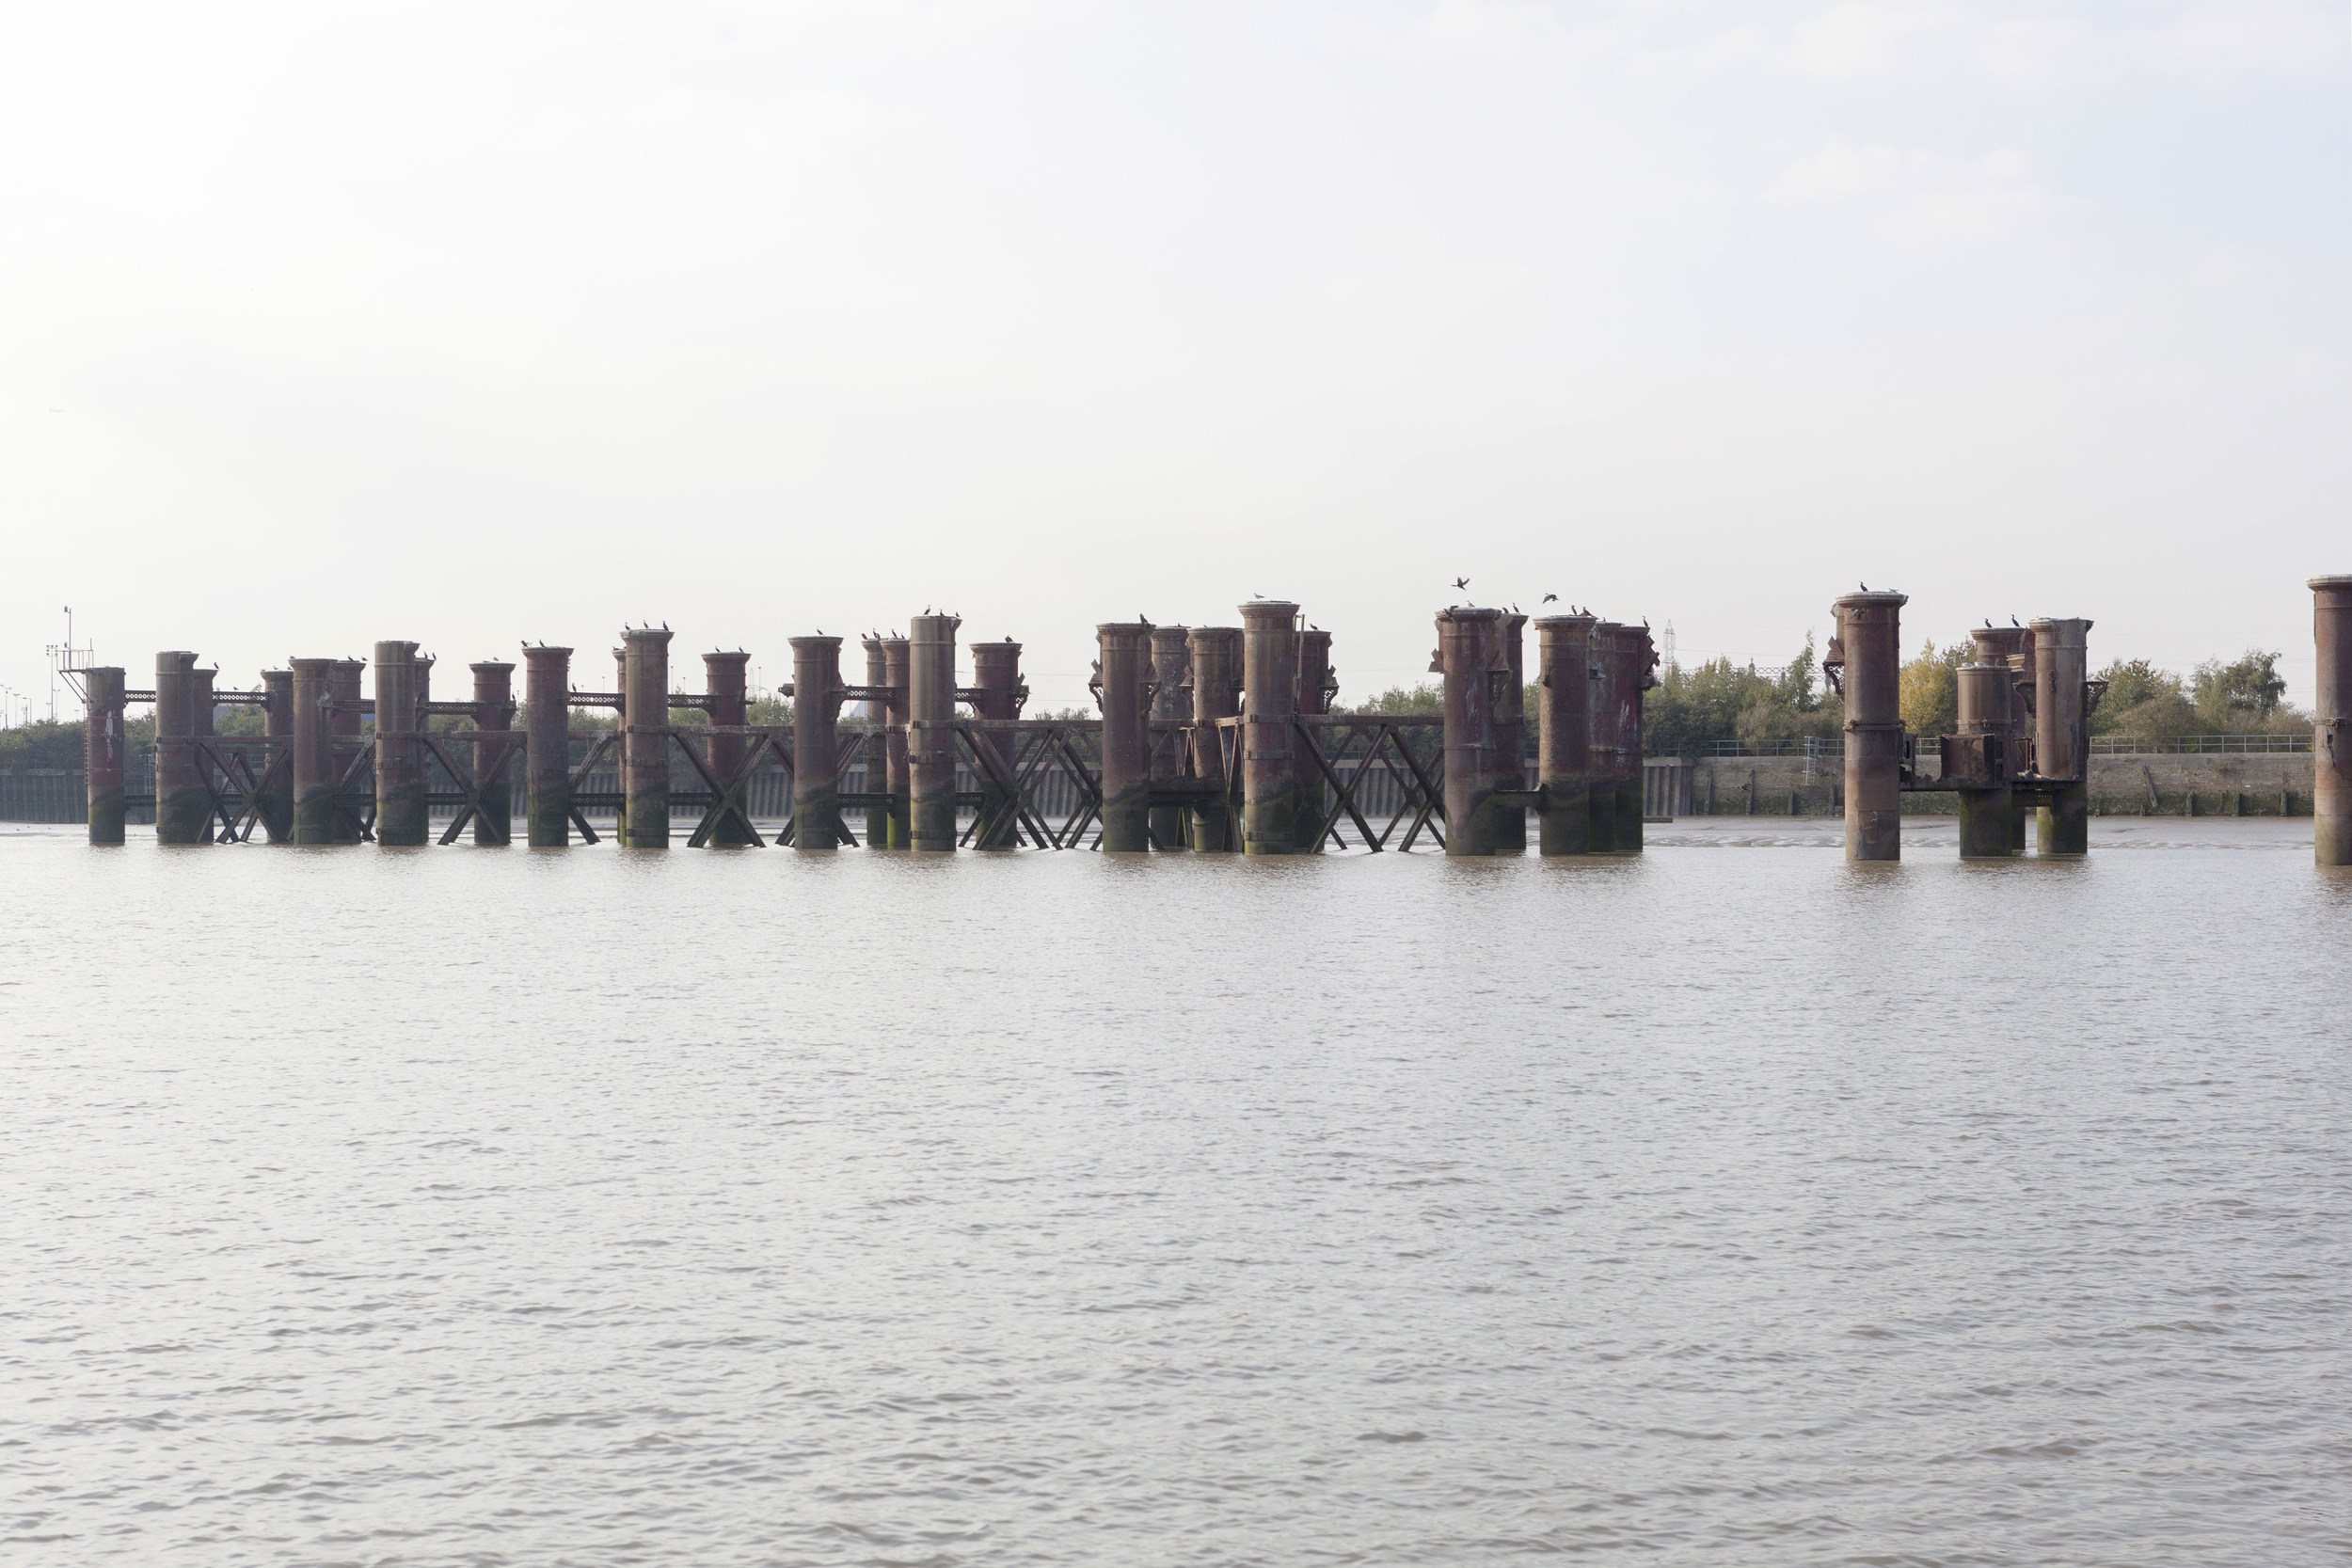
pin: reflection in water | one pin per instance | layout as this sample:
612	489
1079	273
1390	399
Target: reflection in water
482	1206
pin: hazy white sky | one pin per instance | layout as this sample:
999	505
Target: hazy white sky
468	324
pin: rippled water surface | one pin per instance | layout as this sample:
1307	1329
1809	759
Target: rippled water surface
1726	1206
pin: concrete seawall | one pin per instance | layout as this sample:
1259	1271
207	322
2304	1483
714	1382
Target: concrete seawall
2257	783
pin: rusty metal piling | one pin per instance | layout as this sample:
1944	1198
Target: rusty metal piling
1563	733
1988	811
1213	655
2331	722
725	683
276	804
1606	743
548	746
2062	738
1122	659
1172	703
1467	652
493	760
344	726
897	761
1317	685
314	812
877	745
102	752
1271	802
401	813
931	732
1511	730
1870	641
646	738
998	694
1631	659
815	743
183	810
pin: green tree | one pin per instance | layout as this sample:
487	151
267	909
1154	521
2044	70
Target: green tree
1929	687
1425	698
42	743
2240	695
2142	701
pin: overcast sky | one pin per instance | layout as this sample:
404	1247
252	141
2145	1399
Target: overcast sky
469	323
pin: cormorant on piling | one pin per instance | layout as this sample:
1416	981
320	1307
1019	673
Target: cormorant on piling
1865	587
2012	620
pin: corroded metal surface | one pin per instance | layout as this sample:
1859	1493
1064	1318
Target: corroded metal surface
400	806
815	742
897	769
2010	648
183	809
998	694
930	733
1271	803
1122	663
2061	735
343	731
2331	722
1630	659
1317	685
1869	647
547	691
877	756
1988	806
494	761
276	804
1171	703
646	738
1213	655
1564	733
1469	653
314	812
102	752
1511	730
724	688
1607	743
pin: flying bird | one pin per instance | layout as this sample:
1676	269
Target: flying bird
1548	597
1461	582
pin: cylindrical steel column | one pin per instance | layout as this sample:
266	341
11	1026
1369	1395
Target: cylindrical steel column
343	727
276	801
997	676
1315	685
1631	659
2331	722
2010	647
1270	803
102	751
897	767
932	747
2061	735
314	814
1607	745
184	812
1172	703
494	760
725	703
1564	733
817	743
400	808
1213	654
1986	815
1467	655
1122	656
646	738
877	746
548	757
1511	731
1869	640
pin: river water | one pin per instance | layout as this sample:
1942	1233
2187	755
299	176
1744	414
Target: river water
1731	1205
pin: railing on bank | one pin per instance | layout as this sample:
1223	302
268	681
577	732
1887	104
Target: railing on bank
1830	748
